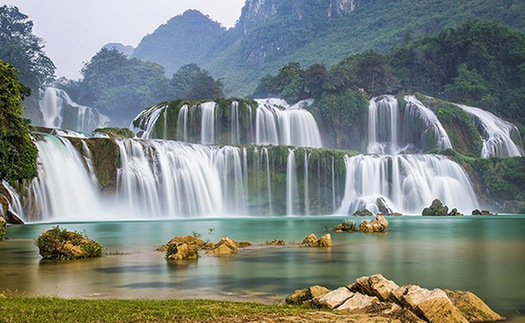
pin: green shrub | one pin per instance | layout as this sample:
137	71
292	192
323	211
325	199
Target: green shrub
64	245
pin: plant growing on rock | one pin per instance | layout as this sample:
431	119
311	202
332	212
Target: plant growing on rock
61	244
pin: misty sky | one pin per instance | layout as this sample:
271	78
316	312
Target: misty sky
74	30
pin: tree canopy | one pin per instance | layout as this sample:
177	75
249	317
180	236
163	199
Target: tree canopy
25	51
17	151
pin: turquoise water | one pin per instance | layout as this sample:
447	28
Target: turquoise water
485	255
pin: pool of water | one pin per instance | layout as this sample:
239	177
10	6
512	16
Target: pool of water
485	255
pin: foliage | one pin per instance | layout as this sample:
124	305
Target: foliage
64	245
193	83
41	309
18	153
345	226
20	48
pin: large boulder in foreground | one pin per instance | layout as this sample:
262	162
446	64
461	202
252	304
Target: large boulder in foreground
65	245
380	298
3	228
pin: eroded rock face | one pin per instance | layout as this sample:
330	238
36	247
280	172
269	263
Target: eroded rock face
380	298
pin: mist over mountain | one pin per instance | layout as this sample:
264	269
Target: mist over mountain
270	33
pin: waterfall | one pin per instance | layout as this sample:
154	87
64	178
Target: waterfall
393	129
407	183
496	133
273	123
292	196
59	111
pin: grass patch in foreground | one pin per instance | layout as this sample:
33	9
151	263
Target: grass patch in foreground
52	309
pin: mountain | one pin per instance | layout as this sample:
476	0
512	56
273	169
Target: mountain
185	39
124	49
271	33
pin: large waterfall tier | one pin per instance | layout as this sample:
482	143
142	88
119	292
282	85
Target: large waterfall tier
500	138
102	178
395	128
59	111
260	122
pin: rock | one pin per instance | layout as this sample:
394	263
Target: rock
345	226
358	301
472	307
432	306
326	241
383	206
476	212
454	212
181	251
375	285
436	208
189	240
482	212
310	241
225	246
62	244
3	228
379	224
302	296
364	212
244	244
275	243
334	298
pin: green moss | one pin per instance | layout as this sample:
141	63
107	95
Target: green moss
65	245
118	133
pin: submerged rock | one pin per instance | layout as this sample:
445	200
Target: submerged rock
312	241
377	297
62	244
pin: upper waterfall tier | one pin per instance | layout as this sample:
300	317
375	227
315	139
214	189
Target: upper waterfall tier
59	111
261	122
123	179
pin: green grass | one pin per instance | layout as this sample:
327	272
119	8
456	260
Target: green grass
52	309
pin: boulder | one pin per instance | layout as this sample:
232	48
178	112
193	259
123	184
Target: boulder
302	296
476	212
472	307
482	212
375	285
326	241
188	240
379	224
334	298
62	244
244	244
275	242
181	251
436	208
455	212
358	302
225	246
310	241
430	305
364	212
345	226
3	228
382	206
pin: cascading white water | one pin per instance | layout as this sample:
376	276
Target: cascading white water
393	129
408	183
292	196
497	134
208	123
59	111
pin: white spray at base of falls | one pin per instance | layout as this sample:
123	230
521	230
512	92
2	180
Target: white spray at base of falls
393	129
60	111
497	134
407	183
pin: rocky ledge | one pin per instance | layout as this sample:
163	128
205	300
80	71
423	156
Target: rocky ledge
379	297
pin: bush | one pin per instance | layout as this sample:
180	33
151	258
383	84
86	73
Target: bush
64	245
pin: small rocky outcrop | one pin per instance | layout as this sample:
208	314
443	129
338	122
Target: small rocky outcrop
379	297
225	246
275	242
65	245
379	224
345	226
181	251
312	241
364	212
437	208
302	296
3	228
188	240
482	212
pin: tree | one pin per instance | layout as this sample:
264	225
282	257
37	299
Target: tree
193	83
20	48
469	86
17	151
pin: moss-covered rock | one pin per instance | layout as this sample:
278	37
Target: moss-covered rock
436	208
61	244
181	251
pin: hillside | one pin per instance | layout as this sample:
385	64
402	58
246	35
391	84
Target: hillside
271	33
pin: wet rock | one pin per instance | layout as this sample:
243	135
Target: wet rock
275	242
181	251
379	224
334	298
482	212
345	226
326	241
225	246
189	240
436	208
364	212
472	307
383	206
455	212
244	244
310	241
